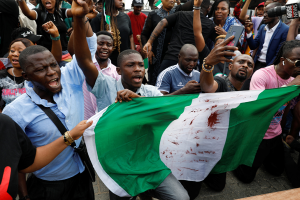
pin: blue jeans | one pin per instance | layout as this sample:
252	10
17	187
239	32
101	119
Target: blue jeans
169	189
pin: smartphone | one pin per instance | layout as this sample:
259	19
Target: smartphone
250	16
237	31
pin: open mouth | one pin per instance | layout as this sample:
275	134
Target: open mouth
15	61
242	72
103	53
137	79
54	83
48	4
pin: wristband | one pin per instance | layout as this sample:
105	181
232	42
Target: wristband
87	19
197	8
56	38
208	70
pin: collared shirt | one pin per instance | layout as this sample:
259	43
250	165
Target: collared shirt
90	102
269	33
106	88
173	78
41	130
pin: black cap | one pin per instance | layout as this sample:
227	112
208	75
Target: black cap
28	34
137	3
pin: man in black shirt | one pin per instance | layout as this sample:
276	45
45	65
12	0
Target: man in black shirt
241	69
182	23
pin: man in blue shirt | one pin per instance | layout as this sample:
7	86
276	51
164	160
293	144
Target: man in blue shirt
107	90
60	90
183	75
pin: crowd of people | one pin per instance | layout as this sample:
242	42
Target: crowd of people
62	61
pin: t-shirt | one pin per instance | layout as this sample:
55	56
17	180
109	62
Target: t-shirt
106	89
124	27
11	87
16	153
224	85
267	78
182	22
173	78
218	70
58	19
137	24
9	13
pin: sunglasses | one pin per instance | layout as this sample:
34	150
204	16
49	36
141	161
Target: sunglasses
296	62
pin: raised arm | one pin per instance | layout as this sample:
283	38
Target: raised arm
207	82
293	30
82	29
31	14
56	49
197	27
244	11
158	29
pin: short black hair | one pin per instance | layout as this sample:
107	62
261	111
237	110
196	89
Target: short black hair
26	42
286	48
125	53
23	58
105	33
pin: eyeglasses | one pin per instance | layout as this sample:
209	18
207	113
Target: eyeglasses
296	62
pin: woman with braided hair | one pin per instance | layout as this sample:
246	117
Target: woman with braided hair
120	27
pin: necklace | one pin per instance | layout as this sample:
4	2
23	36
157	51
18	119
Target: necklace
117	13
14	75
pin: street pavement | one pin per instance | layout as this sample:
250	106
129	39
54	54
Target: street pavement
263	183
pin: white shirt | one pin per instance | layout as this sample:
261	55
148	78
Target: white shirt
269	33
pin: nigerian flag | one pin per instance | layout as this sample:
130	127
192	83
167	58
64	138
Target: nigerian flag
135	145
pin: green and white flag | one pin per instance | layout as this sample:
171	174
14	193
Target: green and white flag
135	145
158	4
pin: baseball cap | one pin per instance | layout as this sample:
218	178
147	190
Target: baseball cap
137	3
261	4
28	34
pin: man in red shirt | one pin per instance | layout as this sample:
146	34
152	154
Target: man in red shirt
137	19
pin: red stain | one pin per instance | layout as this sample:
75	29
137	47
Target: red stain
176	143
207	100
191	169
164	152
171	153
213	107
179	169
199	131
213	119
196	137
201	152
197	144
192	121
207	108
194	153
187	152
191	149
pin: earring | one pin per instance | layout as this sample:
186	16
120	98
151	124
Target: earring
283	62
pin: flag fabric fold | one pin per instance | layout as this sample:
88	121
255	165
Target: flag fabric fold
135	145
